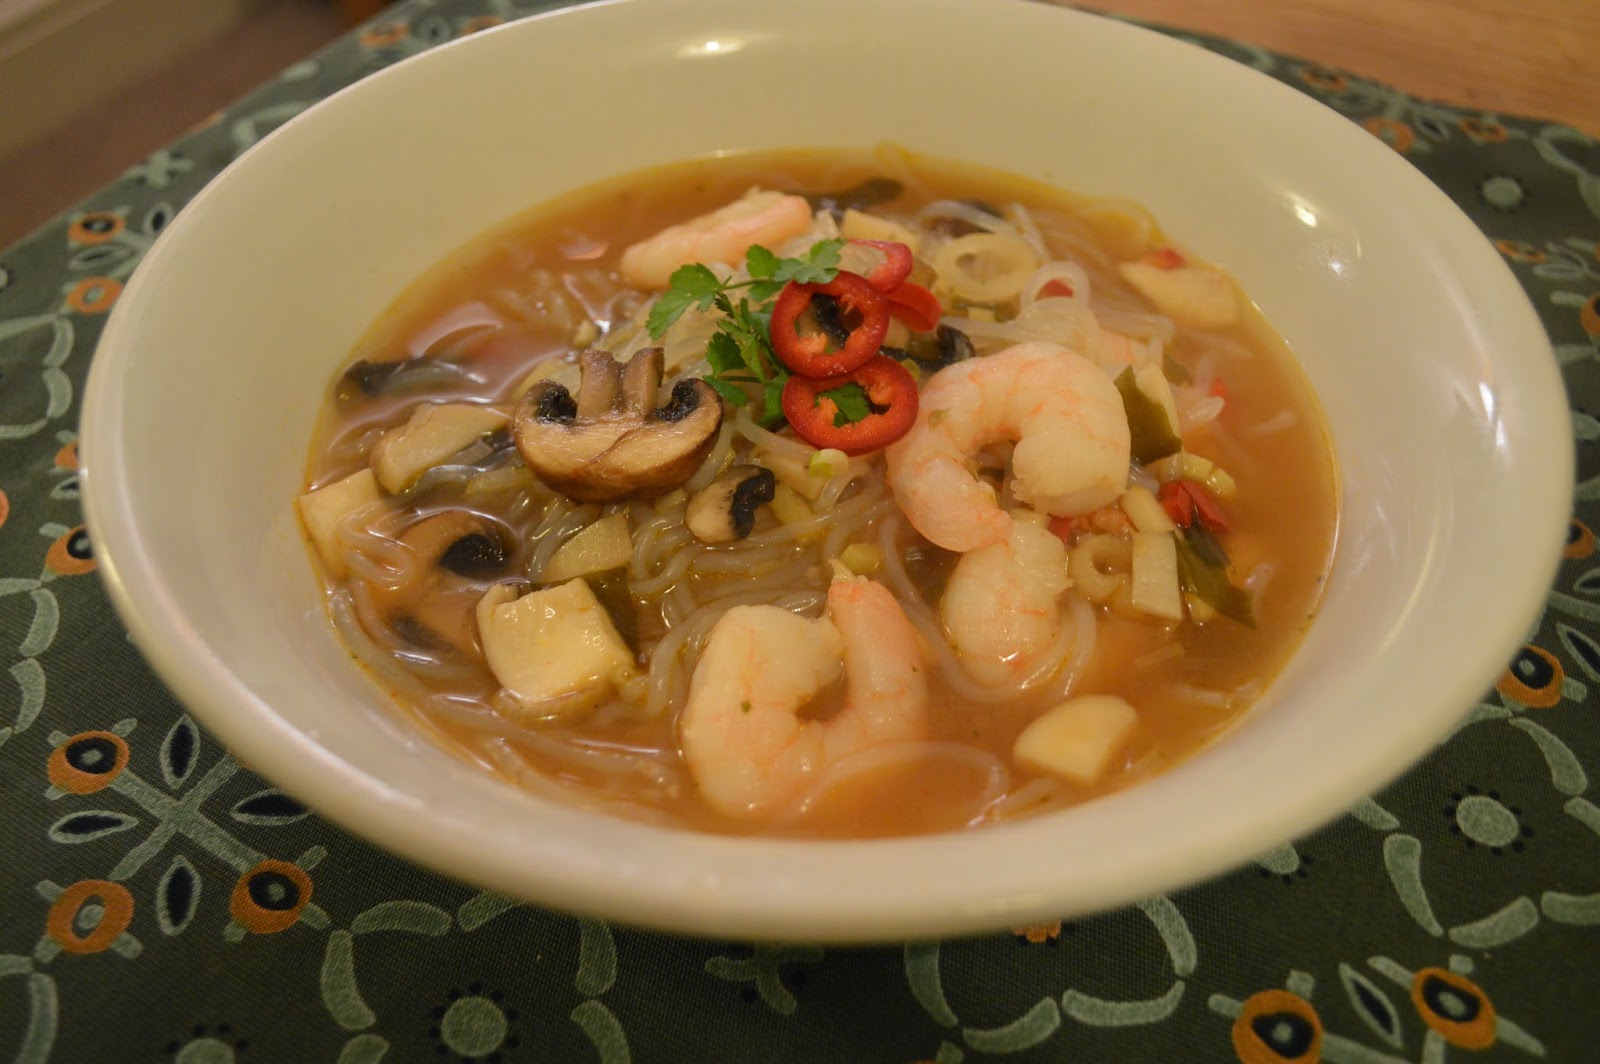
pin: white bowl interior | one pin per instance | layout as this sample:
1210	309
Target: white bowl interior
1434	374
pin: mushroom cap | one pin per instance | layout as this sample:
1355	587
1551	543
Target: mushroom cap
610	442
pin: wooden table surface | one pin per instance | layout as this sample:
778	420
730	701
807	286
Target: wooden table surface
1538	58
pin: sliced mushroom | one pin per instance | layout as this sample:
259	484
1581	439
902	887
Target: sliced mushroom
611	441
455	550
726	509
947	345
863	194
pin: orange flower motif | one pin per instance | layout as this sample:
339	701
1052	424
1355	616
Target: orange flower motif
5	507
67	457
87	762
480	22
385	34
1580	540
1277	1027
269	897
1038	934
71	554
1324	79
1392	132
1589	315
96	227
1520	251
1534	678
94	295
116	912
1454	1006
1484	130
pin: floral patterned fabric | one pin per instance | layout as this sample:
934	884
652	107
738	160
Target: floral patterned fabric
158	902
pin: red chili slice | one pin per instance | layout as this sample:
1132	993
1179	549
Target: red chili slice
895	267
915	306
809	354
891	397
1186	500
1165	259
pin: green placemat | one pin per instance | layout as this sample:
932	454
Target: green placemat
160	903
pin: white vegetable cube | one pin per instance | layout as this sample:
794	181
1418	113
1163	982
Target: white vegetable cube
1153	584
324	508
434	432
603	545
1195	296
1077	739
555	650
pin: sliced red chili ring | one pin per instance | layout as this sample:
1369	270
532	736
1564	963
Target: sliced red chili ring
895	267
889	394
808	354
915	306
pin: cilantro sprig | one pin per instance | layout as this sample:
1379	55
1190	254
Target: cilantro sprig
740	352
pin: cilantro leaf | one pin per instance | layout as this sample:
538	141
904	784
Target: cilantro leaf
691	285
772	393
722	351
731	392
760	262
818	266
850	404
761	291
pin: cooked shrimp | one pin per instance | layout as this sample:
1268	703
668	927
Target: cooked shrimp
1061	409
743	736
724	235
1000	605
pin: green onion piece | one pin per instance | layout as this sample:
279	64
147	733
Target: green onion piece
1210	582
1151	431
612	591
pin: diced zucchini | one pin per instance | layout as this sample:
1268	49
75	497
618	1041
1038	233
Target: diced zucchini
434	432
1099	566
859	225
1220	483
1152	432
555	650
1153	586
1077	739
1154	384
324	508
862	558
1145	511
1197	297
605	544
794	473
790	508
828	462
1181	466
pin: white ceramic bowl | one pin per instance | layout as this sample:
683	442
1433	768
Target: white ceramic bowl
1437	380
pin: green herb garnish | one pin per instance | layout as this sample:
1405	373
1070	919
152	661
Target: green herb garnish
850	404
740	352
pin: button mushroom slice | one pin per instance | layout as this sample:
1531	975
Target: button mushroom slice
612	442
432	605
725	510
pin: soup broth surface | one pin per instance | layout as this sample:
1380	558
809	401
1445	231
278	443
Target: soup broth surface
526	298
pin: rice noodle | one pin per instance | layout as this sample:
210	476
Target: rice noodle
888	756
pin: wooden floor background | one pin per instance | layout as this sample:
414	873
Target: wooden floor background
1531	57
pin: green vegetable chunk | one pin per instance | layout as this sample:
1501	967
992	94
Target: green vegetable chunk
1200	574
612	591
1152	433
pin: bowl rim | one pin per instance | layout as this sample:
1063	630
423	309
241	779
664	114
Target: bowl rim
568	881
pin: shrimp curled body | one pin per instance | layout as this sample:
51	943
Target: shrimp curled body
747	746
1000	608
1065	416
723	236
